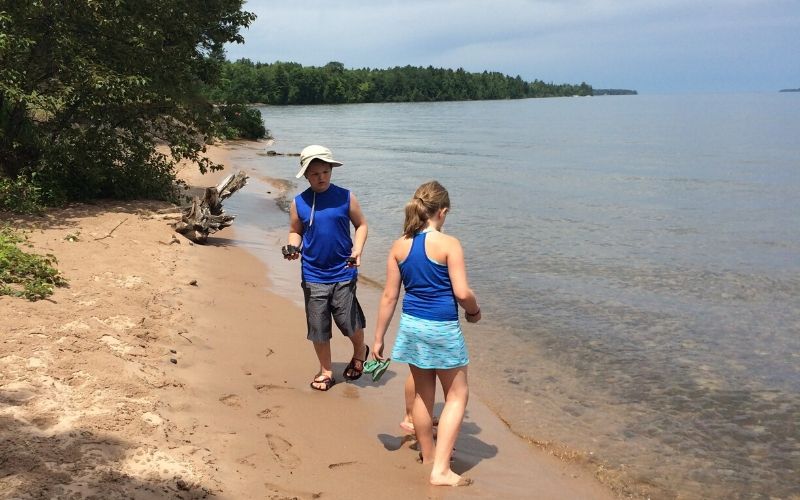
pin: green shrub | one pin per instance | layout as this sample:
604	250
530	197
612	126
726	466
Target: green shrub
21	195
89	163
242	122
23	274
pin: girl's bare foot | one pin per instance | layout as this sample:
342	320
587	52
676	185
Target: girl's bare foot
407	426
450	478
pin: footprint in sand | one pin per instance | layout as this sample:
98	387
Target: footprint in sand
262	388
45	421
129	282
116	344
276	491
231	400
119	323
247	460
281	451
268	412
75	327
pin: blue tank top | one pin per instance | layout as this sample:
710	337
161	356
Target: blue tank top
429	293
326	235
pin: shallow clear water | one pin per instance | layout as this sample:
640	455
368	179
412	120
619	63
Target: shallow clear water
637	260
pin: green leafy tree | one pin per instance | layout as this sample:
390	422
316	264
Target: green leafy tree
88	88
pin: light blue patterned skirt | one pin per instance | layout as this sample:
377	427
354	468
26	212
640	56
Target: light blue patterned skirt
430	344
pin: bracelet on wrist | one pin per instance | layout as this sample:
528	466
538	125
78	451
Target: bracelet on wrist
473	314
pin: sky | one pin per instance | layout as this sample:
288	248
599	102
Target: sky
652	46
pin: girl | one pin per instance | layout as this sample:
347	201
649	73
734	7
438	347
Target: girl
431	267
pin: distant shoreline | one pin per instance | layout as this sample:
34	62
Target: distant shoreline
614	92
789	90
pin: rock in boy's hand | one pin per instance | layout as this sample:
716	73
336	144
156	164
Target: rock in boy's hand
290	252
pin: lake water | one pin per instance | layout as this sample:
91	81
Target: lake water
637	261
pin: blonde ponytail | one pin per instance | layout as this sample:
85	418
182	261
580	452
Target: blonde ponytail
428	199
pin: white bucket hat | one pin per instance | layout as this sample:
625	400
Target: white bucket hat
315	152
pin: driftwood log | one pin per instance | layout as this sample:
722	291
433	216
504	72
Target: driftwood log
205	215
275	153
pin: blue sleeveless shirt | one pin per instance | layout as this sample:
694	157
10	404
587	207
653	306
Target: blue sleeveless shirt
326	235
429	293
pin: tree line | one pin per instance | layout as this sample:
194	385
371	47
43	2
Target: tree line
282	83
614	92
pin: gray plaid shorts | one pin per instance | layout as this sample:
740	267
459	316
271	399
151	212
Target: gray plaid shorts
337	300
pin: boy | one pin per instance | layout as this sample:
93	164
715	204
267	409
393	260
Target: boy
319	219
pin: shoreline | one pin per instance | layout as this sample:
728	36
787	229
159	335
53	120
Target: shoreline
89	383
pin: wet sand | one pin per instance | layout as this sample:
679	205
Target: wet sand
166	369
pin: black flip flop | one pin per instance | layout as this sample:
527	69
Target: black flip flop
351	367
328	381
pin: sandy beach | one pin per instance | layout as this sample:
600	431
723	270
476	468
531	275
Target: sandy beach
167	369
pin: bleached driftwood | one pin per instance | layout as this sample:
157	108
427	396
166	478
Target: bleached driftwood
205	215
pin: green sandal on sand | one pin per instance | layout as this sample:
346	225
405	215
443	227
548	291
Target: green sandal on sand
376	368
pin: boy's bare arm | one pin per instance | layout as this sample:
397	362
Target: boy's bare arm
360	223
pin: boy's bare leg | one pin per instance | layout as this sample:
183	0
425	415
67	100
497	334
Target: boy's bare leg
323	350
